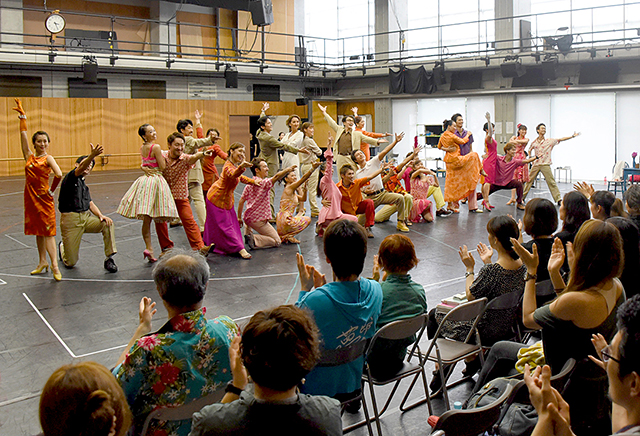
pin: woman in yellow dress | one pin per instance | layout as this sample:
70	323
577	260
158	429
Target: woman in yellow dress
463	172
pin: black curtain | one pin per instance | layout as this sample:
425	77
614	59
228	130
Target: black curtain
416	81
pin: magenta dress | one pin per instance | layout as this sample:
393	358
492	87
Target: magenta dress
489	162
330	192
522	173
420	193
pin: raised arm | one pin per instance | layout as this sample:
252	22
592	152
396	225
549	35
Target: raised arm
198	125
389	147
199	155
282	173
191	144
295	185
332	123
86	162
566	138
529	304
24	137
489	126
408	159
374	175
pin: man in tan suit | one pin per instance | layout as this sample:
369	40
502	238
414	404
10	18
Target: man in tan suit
347	139
269	147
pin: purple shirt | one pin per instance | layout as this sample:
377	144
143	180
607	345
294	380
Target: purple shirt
464	148
505	170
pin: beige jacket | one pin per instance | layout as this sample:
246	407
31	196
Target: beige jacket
356	137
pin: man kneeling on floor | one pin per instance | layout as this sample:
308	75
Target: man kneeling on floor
278	348
80	215
345	310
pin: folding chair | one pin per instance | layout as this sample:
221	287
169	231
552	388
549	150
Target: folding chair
472	422
508	305
398	330
342	356
447	351
183	412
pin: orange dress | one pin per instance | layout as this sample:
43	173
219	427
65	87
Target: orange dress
463	172
39	210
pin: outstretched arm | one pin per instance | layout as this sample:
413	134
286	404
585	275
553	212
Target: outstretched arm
408	159
282	173
24	138
389	147
566	138
489	125
86	162
332	123
295	185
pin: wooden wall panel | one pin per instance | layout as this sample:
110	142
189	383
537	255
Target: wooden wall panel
364	107
283	17
322	129
113	123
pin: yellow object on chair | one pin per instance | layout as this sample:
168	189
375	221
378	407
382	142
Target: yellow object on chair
533	355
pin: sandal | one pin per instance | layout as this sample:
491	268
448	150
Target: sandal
510	202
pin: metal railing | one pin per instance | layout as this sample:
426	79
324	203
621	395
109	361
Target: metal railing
322	55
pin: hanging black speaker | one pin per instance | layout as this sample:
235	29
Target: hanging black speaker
90	72
230	78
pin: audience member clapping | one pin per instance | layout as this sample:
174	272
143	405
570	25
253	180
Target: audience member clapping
540	222
630	276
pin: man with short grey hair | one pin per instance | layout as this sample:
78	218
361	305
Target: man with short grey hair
188	358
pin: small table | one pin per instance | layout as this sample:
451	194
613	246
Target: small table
626	172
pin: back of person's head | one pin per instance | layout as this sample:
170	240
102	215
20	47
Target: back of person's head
632	197
509	146
345	246
576	211
183	124
280	346
255	164
617	209
605	200
181	277
629	328
540	218
397	254
446	124
630	234
598	255
503	228
83	399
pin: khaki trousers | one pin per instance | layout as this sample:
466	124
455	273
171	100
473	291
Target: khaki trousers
267	236
548	177
197	196
394	202
73	225
342	161
312	187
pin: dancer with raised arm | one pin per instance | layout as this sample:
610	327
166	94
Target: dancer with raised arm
463	172
258	213
490	156
306	161
522	173
331	196
543	147
293	138
360	121
222	227
288	224
347	140
39	210
149	197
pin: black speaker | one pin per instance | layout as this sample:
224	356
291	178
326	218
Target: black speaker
549	69
90	72
512	69
230	78
438	75
302	101
261	12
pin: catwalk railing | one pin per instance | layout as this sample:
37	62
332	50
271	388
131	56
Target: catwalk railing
604	28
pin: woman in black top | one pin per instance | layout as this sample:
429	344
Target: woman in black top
540	221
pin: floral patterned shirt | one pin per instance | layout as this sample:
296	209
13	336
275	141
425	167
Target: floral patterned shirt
186	359
257	199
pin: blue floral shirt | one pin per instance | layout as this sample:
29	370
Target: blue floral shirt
186	359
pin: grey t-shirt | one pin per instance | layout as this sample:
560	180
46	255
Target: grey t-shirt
304	415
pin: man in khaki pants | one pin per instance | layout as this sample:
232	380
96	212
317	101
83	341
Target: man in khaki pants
79	214
543	148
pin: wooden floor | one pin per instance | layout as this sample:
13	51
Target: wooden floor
91	314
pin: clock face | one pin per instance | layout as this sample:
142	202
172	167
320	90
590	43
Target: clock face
55	23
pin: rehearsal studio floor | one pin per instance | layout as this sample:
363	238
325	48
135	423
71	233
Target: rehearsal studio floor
91	314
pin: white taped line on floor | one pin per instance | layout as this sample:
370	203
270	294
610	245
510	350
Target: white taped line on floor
212	279
434	239
2	282
21	243
66	347
445	282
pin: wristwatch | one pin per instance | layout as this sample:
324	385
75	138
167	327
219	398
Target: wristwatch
232	389
530	277
467	274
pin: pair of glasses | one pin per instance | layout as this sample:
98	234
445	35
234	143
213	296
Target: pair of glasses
606	355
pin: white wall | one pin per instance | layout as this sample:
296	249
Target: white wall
627	126
404	119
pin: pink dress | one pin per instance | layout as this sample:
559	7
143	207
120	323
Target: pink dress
522	173
330	192
420	193
489	162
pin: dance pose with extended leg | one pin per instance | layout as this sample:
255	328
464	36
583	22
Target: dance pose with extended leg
489	161
287	223
39	210
149	197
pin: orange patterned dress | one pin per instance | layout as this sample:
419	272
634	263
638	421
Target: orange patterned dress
39	210
463	172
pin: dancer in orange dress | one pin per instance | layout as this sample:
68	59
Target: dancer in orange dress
39	210
463	172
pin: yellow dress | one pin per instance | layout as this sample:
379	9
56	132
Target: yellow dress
287	223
